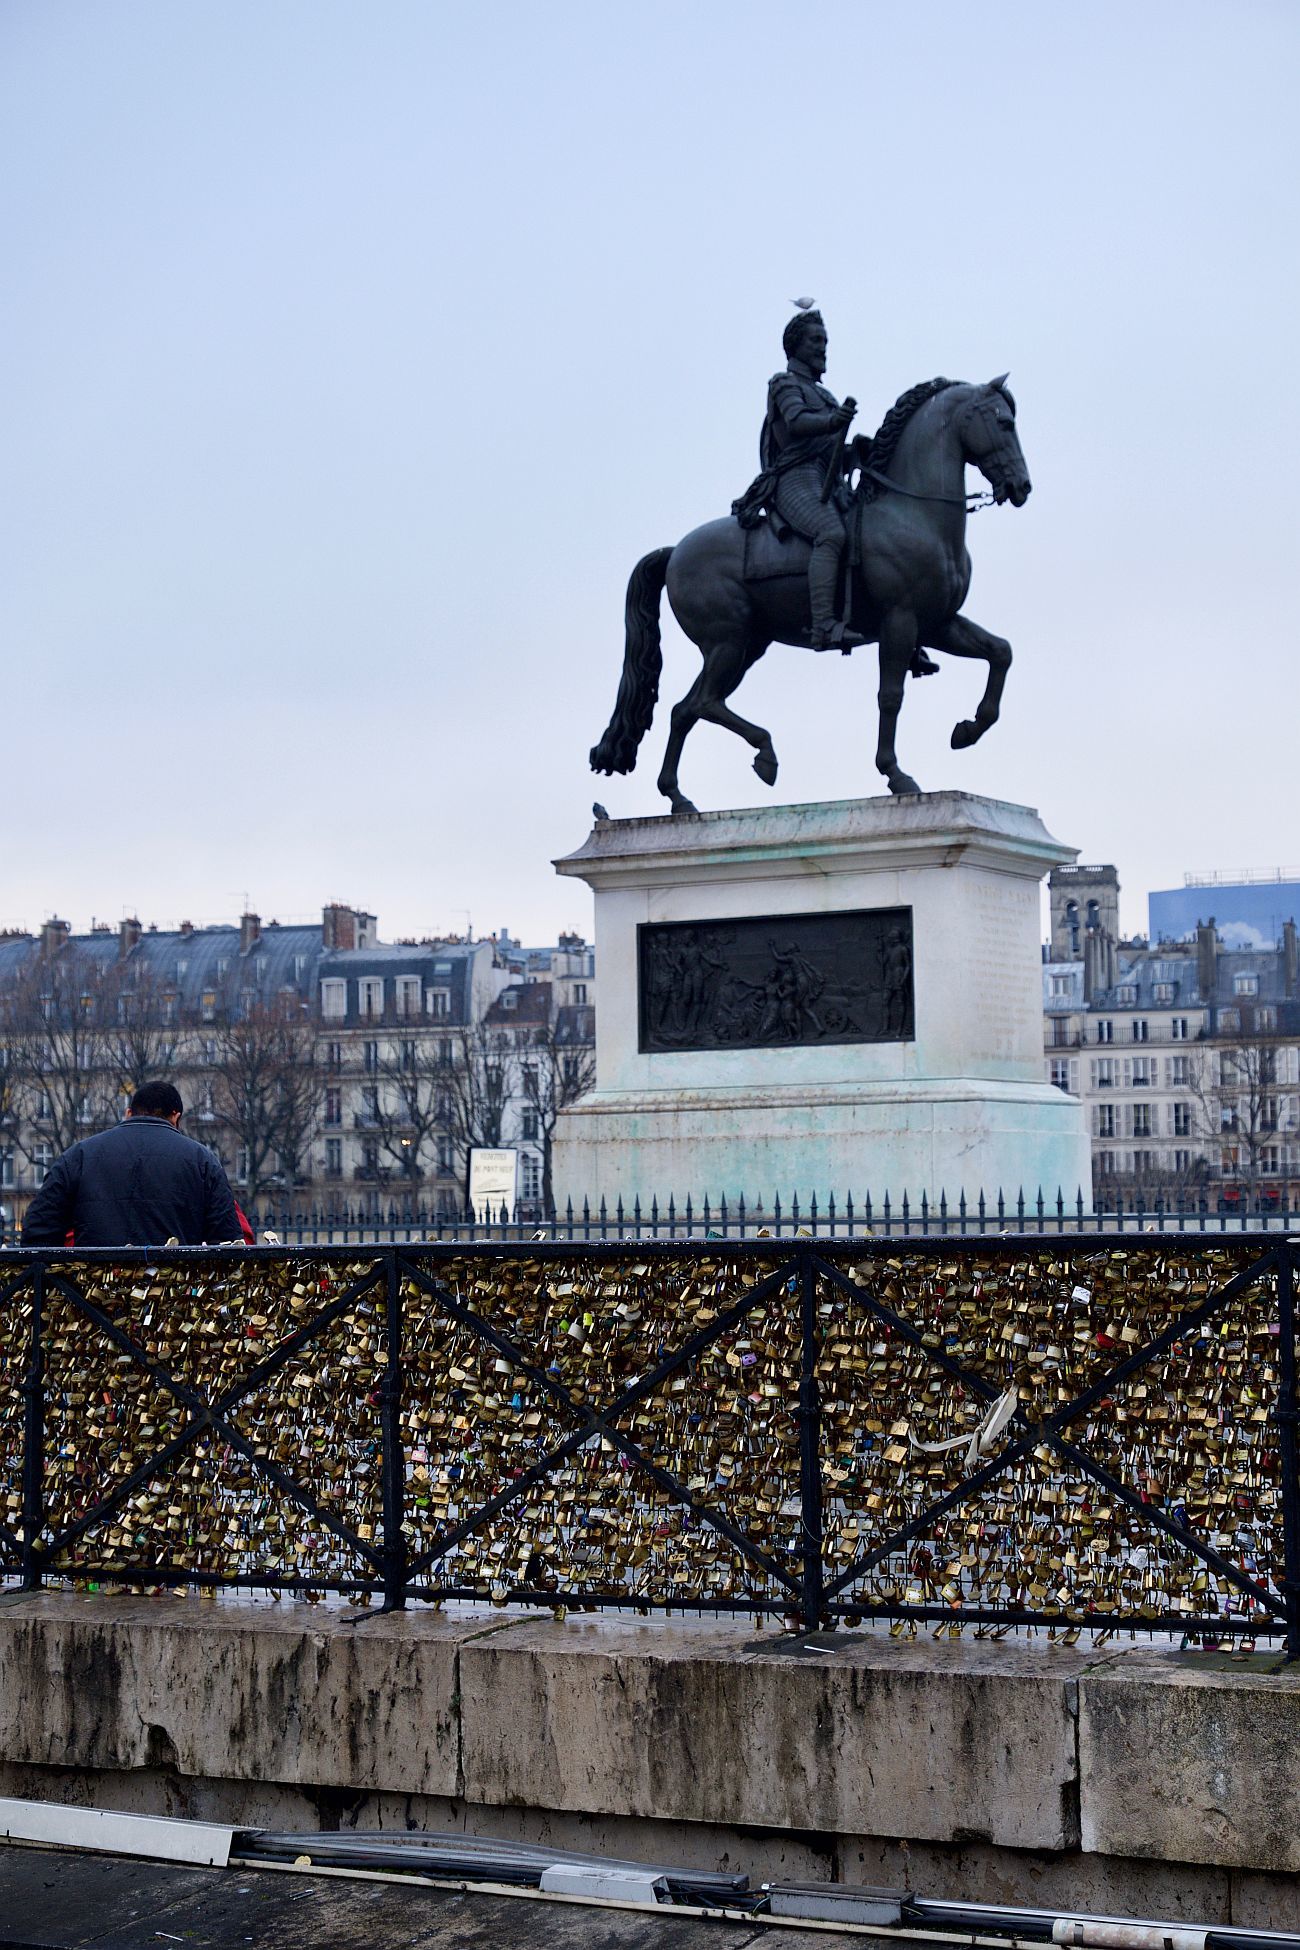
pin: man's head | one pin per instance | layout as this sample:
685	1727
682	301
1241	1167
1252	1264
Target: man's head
804	338
157	1100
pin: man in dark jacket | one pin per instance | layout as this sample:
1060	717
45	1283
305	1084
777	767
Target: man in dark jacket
139	1184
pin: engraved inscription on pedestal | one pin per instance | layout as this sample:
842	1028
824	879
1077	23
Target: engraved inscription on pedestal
776	981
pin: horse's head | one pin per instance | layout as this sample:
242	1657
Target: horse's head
990	441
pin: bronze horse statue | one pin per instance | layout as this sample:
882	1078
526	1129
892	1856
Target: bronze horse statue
907	534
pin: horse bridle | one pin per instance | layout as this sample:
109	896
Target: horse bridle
972	503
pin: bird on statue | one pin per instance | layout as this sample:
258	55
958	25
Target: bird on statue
598	811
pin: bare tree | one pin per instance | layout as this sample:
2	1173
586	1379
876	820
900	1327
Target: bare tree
62	1083
557	1067
410	1104
139	1039
478	1088
263	1092
1235	1089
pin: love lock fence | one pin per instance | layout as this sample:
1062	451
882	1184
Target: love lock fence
1087	1433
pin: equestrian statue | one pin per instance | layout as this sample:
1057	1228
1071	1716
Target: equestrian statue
837	543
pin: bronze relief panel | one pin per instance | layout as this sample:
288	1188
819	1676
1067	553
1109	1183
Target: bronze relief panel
776	981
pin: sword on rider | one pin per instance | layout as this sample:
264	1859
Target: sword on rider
833	475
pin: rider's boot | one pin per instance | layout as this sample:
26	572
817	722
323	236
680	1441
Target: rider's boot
923	666
826	631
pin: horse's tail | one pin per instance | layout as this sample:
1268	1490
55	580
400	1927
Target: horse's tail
638	687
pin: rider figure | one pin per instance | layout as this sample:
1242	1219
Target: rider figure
803	436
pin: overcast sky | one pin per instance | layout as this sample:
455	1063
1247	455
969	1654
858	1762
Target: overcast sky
353	354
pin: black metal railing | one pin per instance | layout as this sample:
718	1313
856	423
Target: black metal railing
1081	1432
396	1221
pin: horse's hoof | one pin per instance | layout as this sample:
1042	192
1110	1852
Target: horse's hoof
683	809
902	782
765	766
966	733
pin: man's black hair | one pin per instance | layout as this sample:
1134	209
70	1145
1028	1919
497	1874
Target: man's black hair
156	1100
793	335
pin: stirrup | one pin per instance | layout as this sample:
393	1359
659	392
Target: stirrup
834	636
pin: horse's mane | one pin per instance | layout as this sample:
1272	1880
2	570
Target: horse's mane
891	427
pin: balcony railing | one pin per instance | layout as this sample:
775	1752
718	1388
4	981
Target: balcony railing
1089	1433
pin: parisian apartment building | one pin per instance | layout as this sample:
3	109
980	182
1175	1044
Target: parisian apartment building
331	1071
1185	1052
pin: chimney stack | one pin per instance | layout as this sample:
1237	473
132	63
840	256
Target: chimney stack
54	935
250	932
127	936
1207	955
338	927
1289	957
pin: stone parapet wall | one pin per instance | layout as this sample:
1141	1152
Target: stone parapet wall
1127	1778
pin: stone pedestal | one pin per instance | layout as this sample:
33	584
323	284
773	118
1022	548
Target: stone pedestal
821	999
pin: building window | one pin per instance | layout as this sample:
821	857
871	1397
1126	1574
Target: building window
1106	1120
528	1123
1144	1071
1245	984
1106	1164
333	1056
1058	1071
333	1106
1141	1120
1144	1162
1182	1161
580	991
1230	1021
1105	1030
1126	994
6	1167
1060	1032
1266	1017
370	1158
209	1005
370	1056
1140	1027
370	1104
333	1000
370	996
438	1002
408	995
408	1055
1164	991
333	1157
446	1155
1178	1029
1182	1120
42	1159
531	1175
1178	1072
1105	1067
444	1052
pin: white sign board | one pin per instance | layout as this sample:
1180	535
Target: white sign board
491	1181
